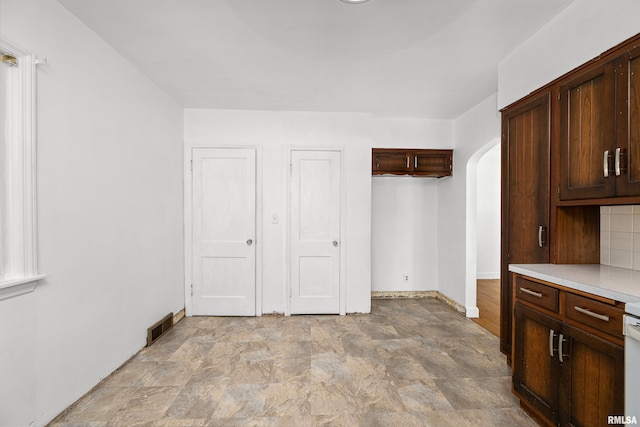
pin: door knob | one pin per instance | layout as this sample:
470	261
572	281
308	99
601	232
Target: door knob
335	243
249	242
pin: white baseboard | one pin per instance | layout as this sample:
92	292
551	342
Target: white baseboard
488	276
473	312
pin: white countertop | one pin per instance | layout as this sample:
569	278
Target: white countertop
633	308
615	283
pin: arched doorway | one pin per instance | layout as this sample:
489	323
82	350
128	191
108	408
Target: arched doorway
483	235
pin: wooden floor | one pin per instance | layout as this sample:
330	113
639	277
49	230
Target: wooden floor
488	298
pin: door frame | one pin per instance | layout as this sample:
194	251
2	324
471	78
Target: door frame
188	220
343	223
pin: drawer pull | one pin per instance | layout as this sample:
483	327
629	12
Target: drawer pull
530	292
591	313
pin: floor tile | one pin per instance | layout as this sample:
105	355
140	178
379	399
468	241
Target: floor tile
411	362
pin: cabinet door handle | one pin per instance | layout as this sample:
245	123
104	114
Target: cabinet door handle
530	292
617	161
551	336
591	313
605	164
415	162
540	240
407	162
561	356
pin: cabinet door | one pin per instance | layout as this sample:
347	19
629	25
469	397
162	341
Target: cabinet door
587	132
436	163
397	162
592	383
536	370
627	154
525	197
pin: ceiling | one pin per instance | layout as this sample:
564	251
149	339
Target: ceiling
395	58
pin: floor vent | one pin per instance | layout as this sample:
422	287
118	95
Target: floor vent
159	328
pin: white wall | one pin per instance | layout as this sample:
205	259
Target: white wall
110	217
582	31
475	132
404	232
404	214
488	187
377	256
273	133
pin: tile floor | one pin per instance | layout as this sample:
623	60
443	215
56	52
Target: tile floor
410	362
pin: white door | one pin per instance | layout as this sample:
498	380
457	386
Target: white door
224	227
315	232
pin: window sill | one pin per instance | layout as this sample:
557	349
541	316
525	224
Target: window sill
10	288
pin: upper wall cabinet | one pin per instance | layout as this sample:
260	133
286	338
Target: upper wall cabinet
627	150
416	162
587	132
600	131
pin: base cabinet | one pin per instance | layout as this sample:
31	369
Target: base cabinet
535	370
592	380
566	374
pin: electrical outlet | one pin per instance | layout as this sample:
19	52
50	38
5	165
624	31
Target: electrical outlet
405	278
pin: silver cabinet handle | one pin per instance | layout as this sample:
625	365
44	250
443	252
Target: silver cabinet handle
540	240
617	161
605	165
540	236
561	340
335	243
551	336
249	242
530	292
591	313
415	162
407	162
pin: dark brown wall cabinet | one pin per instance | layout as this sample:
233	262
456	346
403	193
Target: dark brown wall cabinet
568	366
600	130
525	196
416	162
567	149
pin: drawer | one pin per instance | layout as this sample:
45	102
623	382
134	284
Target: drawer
596	314
537	293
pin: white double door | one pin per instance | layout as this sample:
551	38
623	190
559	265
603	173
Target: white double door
224	231
315	232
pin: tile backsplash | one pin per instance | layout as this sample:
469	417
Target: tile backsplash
620	236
